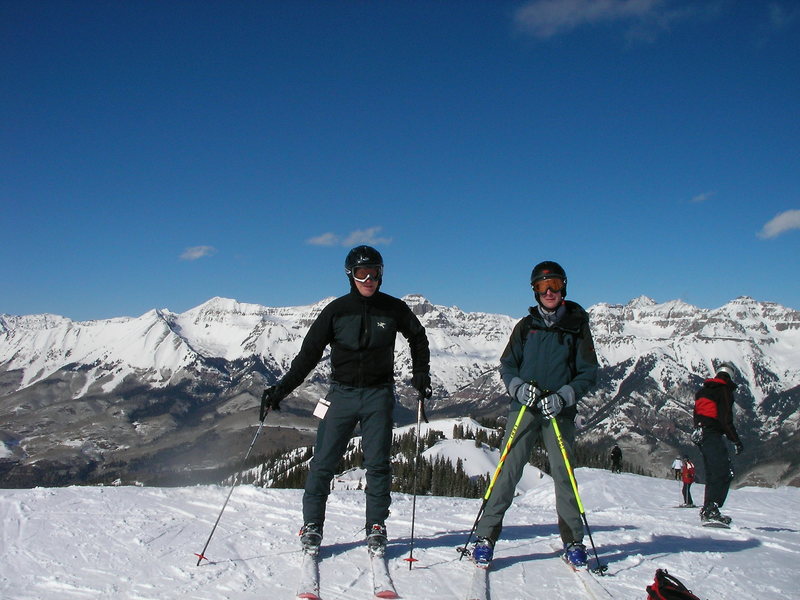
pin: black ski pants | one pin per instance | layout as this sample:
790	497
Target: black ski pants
372	408
717	463
687	493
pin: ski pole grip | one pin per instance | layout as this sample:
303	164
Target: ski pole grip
265	405
426	393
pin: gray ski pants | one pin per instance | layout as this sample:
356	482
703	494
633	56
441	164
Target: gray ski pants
372	407
532	428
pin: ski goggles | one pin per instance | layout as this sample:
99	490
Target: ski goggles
554	284
364	274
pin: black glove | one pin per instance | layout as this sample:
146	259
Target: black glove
697	436
738	447
422	383
270	399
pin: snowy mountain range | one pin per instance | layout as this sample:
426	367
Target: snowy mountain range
172	397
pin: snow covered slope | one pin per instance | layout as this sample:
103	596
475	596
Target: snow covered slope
129	542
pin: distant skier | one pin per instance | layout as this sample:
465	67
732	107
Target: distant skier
677	465
616	459
713	421
360	328
687	476
548	364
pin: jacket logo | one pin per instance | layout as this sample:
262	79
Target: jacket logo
382	324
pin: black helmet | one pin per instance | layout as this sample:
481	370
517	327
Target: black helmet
547	270
363	256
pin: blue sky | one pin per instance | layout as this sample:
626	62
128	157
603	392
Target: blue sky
157	154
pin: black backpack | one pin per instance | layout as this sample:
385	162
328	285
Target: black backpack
667	587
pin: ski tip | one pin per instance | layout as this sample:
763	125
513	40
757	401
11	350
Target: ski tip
308	596
386	594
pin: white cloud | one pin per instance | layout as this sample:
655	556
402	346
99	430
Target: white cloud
326	239
703	197
548	18
196	252
781	16
354	238
366	236
781	223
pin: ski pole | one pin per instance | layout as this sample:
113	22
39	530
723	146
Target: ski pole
463	550
600	569
420	415
202	553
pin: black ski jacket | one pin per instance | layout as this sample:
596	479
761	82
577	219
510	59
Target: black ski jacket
361	333
713	407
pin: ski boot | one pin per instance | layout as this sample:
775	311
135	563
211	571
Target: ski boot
710	514
575	555
376	539
483	552
311	538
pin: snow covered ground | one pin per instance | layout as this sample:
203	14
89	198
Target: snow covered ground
139	543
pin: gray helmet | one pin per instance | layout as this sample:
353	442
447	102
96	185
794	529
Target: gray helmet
726	368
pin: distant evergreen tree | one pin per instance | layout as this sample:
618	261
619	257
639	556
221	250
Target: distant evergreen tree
586	453
440	477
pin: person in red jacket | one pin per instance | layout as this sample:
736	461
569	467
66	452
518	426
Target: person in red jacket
713	421
687	476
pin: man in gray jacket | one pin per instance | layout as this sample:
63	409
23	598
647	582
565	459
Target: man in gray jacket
548	364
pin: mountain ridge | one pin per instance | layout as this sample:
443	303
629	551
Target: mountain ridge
114	392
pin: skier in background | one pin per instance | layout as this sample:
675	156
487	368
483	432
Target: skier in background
687	476
616	459
360	328
548	364
677	465
713	421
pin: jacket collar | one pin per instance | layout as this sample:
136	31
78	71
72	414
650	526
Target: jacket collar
571	320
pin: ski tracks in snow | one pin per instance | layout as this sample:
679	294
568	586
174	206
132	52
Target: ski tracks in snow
140	543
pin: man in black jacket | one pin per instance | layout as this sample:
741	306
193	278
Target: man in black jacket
360	328
713	421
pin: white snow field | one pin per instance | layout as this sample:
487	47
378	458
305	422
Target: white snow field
140	543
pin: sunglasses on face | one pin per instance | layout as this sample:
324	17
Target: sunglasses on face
364	274
555	284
